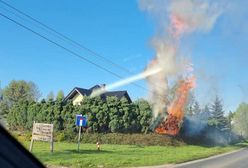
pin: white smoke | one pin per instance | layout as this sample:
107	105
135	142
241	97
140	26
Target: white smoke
126	81
197	15
174	19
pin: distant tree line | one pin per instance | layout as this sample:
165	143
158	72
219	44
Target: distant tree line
209	124
213	114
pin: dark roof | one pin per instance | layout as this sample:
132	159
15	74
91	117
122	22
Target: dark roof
83	91
95	87
87	92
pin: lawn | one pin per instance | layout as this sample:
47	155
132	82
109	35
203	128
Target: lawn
65	154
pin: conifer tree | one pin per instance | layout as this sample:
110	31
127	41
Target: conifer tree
217	118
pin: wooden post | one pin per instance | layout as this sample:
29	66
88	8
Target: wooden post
51	145
32	140
31	145
79	135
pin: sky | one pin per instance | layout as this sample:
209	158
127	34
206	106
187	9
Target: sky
119	31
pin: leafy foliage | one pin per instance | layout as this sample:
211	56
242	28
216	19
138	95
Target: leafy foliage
240	120
112	115
21	90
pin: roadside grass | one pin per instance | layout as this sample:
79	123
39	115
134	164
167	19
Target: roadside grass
243	144
65	154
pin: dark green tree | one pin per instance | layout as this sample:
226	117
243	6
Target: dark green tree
115	114
217	118
57	111
17	117
144	114
129	118
34	109
68	117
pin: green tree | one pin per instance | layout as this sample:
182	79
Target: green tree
17	117
58	120
129	118
97	117
102	116
115	114
21	91
34	109
217	118
68	117
240	120
145	114
60	95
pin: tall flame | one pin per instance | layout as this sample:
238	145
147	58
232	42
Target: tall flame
176	18
171	125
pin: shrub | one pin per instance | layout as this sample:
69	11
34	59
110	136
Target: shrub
131	139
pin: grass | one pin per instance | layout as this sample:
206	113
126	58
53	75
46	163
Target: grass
65	154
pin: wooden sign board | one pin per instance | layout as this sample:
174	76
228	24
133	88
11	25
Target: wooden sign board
42	132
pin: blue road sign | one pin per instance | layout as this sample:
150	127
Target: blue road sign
81	120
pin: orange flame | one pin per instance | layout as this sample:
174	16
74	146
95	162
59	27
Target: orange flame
172	123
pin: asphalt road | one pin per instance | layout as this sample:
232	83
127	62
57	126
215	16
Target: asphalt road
237	159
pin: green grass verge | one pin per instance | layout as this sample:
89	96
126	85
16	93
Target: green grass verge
65	154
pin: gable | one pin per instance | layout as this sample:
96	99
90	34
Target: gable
77	99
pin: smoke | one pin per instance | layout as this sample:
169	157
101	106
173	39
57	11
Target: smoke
174	19
183	16
196	130
194	126
126	81
193	15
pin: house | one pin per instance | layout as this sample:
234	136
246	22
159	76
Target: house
77	94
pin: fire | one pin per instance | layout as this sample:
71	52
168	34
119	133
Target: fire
171	125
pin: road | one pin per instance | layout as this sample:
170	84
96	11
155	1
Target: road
237	159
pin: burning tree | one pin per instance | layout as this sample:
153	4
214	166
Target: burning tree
171	125
176	19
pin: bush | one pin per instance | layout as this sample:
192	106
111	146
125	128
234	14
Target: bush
131	139
110	138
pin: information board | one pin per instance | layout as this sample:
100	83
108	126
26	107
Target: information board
42	132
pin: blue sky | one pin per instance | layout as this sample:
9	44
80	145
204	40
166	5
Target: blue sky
119	31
